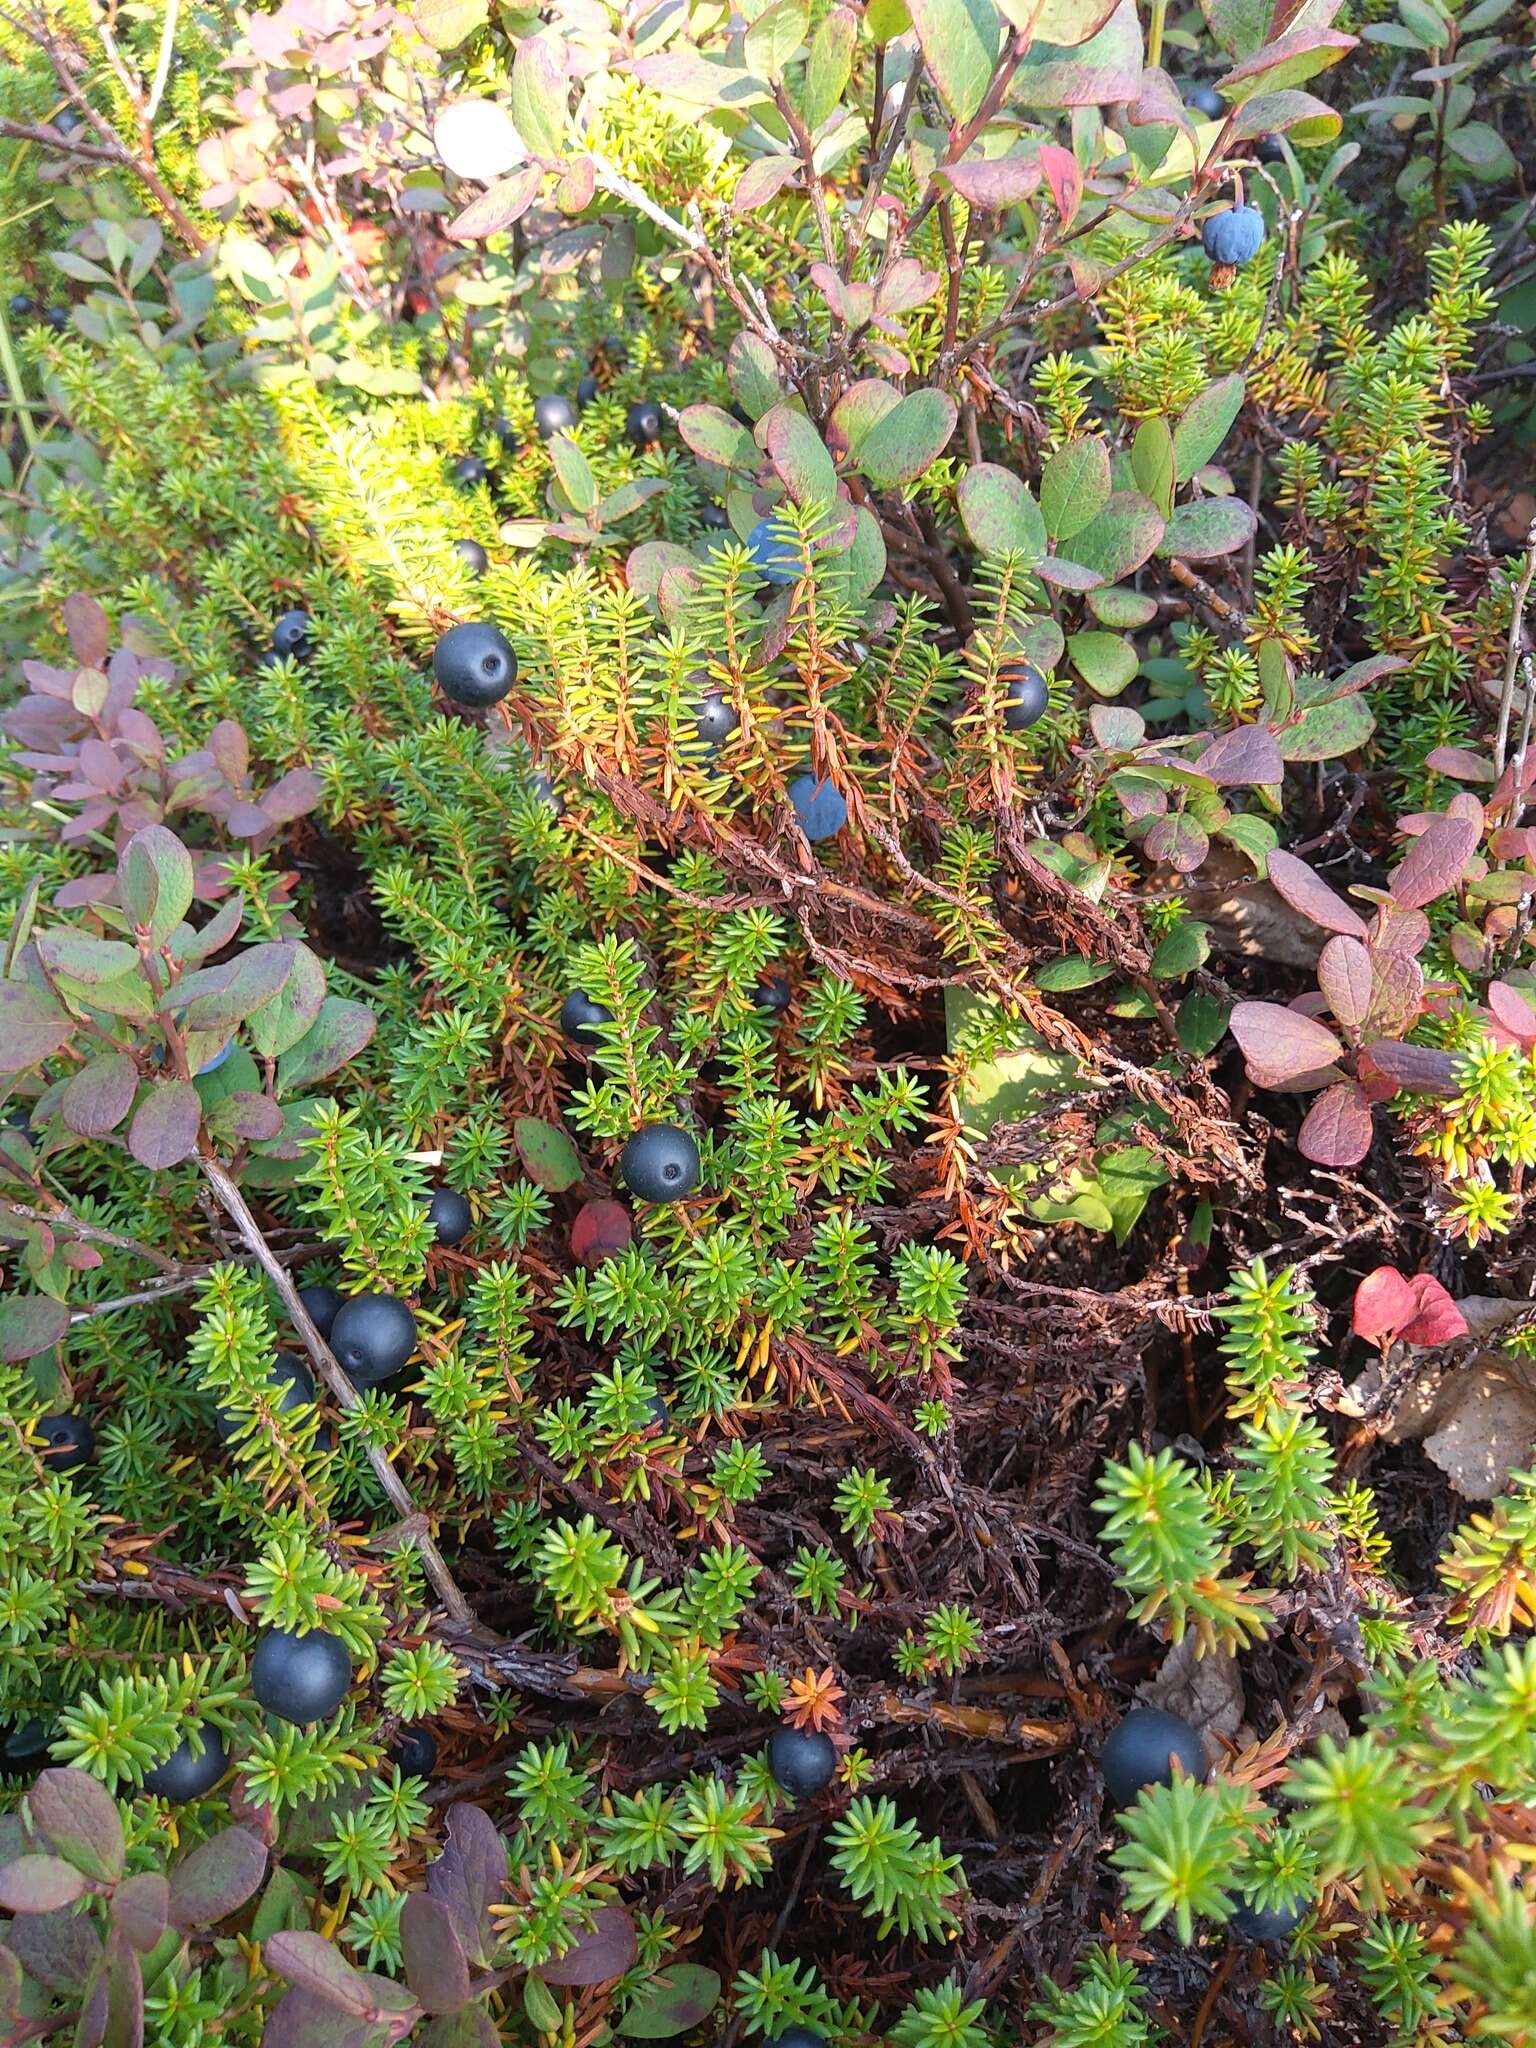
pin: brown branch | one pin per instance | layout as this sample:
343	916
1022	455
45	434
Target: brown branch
238	1211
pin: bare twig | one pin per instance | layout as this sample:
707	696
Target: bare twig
1512	650
236	1208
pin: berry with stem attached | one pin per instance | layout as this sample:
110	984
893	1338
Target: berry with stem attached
373	1336
300	1678
660	1163
474	665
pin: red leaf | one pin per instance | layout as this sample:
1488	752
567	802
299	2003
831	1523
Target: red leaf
1460	762
1064	175
1435	862
1311	895
1384	1304
1282	1042
1436	1318
89	634
601	1230
1337	1130
165	1125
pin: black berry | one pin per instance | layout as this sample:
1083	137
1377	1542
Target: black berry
580	1016
67	122
1266	1923
474	665
414	1749
545	794
373	1335
322	1304
25	1747
184	1776
506	434
715	720
802	1760
553	414
70	1442
739	413
586	390
291	634
468	471
22	306
300	1678
715	517
473	556
797	2037
1143	1750
297	1391
448	1213
642	423
1269	150
660	1163
772	995
56	317
1026	695
1205	99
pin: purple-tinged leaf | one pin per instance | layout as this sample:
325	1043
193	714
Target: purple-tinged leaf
1361	675
90	636
1241	759
1344	976
58	1950
1282	1042
1178	840
600	1955
435	1965
1336	1130
39	1884
1326	732
141	1908
217	1878
1397	994
1002	181
852	304
1310	894
293	795
998	512
79	1819
1512	1012
796	451
89	962
1065	575
29	1325
165	1125
1117	726
154	879
1417	1069
123	2019
498	206
470	2028
309	1963
762	180
906	286
470	1877
99	1096
249	1115
1436	1318
1435	863
1460	762
1397	930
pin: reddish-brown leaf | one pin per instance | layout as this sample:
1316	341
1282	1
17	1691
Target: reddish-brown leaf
601	1230
1337	1128
1311	895
1435	862
1282	1042
1436	1318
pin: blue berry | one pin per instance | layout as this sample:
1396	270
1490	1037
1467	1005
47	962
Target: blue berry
448	1213
298	1391
414	1750
660	1163
772	995
1205	99
300	1678
802	1760
373	1336
291	635
1143	1749
776	552
1026	695
1235	236
553	414
820	806
469	470
184	1776
474	665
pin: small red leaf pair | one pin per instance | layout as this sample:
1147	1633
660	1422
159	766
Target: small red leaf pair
1419	1311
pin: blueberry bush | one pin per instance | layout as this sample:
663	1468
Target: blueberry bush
767	1023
